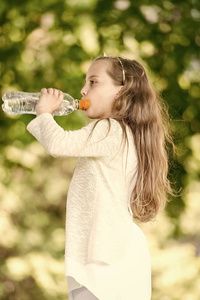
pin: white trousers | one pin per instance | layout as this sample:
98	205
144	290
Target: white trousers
81	294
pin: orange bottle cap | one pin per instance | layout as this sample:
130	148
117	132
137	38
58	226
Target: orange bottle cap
84	104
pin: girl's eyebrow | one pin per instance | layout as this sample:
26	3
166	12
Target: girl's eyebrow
92	76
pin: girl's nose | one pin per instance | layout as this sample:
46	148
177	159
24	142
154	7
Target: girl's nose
83	91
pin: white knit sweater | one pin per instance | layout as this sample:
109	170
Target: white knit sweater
105	250
99	219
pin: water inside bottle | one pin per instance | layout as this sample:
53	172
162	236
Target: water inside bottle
15	107
65	109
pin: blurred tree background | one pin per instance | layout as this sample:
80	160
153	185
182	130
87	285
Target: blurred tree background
51	44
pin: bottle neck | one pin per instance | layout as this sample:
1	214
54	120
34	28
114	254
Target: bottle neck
76	104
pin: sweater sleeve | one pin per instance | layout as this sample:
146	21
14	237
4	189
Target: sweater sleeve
105	140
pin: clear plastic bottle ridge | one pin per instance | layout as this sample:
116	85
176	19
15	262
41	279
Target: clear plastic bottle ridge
17	103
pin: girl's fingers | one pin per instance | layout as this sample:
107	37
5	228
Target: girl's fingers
60	97
50	91
44	91
56	92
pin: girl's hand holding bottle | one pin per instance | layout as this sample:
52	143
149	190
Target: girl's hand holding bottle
50	100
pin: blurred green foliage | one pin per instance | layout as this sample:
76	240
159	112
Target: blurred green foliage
51	44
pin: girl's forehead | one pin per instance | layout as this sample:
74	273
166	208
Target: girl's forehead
98	68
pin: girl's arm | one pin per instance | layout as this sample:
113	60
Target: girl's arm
77	143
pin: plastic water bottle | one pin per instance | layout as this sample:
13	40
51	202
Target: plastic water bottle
17	103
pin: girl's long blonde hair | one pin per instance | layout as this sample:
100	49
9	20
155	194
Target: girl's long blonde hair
142	109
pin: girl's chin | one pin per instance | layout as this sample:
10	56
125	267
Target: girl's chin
91	115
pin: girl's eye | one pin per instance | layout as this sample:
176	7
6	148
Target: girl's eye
92	82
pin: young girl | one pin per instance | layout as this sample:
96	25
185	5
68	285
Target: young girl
121	175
